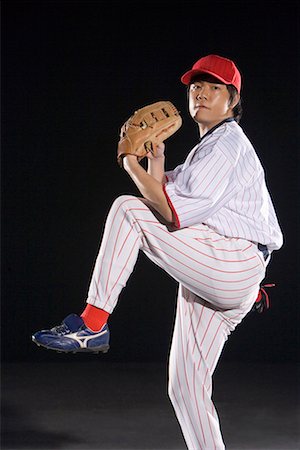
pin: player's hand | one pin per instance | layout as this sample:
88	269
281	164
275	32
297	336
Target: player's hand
159	152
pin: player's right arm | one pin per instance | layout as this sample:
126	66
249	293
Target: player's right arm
156	165
149	186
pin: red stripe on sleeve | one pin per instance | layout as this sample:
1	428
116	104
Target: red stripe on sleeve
177	222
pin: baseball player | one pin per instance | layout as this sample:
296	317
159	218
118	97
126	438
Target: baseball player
210	224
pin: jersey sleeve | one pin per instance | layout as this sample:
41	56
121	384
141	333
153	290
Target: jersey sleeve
199	190
171	174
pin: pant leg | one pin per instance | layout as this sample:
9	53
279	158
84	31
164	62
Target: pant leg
219	279
223	271
200	333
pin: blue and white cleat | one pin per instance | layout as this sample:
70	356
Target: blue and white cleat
73	336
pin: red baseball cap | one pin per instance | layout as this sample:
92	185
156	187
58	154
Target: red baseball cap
219	67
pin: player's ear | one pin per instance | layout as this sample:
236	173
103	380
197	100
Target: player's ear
234	101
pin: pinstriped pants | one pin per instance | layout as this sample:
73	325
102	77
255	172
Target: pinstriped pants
218	281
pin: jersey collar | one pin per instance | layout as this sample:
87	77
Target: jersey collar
230	119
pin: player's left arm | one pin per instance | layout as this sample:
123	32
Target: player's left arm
149	186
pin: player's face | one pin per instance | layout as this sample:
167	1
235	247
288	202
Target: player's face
209	103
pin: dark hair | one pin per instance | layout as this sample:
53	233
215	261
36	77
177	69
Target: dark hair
237	110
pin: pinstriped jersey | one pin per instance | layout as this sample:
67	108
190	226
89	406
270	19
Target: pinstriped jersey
222	184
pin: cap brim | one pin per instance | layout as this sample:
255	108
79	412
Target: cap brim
188	76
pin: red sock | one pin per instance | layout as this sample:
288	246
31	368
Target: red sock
94	318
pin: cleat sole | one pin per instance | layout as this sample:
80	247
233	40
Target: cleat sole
95	350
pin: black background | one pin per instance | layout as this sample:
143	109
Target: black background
72	73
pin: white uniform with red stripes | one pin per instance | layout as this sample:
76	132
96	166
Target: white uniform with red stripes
223	209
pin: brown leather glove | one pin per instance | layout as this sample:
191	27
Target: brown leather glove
146	128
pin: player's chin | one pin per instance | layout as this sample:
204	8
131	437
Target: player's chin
201	117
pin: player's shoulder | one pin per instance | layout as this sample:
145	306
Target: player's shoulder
231	141
235	137
234	131
228	131
244	149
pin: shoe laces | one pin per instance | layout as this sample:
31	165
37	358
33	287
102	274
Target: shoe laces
61	329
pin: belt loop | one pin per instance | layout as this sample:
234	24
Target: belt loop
264	249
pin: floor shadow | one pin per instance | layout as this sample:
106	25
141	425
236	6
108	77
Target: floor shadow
19	433
99	406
